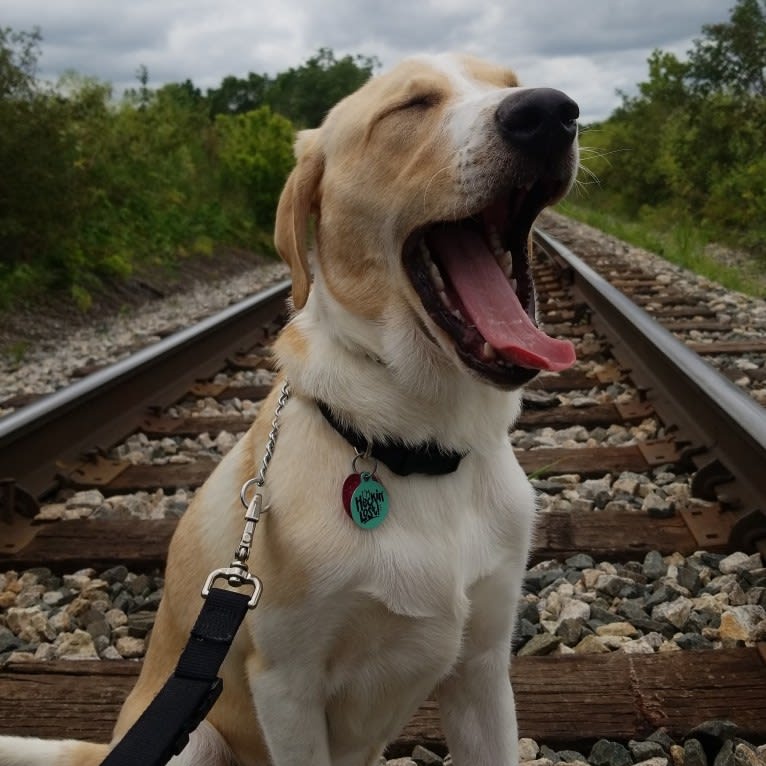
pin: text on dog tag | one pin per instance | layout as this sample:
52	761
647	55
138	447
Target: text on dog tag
365	500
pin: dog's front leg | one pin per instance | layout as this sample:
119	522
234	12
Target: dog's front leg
475	701
286	677
291	712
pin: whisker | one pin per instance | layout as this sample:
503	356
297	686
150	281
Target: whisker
428	186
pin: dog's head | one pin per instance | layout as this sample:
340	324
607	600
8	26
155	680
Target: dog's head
424	185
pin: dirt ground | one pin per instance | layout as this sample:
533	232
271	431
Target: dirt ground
55	316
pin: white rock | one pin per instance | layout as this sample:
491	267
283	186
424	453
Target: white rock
639	646
115	618
528	749
45	652
614	642
77	645
655	640
740	562
53	597
130	647
654	501
90	498
626	482
675	612
61	622
622	629
29	624
77	581
741	623
590	578
573	609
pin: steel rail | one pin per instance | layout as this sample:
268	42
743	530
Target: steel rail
108	404
727	427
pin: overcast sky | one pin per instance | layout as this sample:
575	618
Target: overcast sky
588	48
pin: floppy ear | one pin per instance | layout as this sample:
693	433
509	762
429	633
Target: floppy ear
294	211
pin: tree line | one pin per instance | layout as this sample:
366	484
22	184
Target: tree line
690	147
92	188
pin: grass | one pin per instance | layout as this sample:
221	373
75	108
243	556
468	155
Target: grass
680	242
17	351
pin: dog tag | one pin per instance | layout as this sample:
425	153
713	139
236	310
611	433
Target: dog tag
365	500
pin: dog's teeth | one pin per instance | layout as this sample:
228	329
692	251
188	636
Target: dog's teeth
445	299
436	277
514	285
494	240
455	313
488	352
497	246
505	261
424	251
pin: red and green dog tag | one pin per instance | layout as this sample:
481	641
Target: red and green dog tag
365	500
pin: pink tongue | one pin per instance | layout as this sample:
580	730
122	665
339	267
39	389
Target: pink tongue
491	304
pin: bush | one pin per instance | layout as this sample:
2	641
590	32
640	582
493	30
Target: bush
92	190
255	153
691	145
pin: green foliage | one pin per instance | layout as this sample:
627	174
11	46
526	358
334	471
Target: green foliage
238	95
303	94
731	55
17	352
92	189
691	145
36	207
682	242
255	151
19	52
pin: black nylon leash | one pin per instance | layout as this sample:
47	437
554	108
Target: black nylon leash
163	729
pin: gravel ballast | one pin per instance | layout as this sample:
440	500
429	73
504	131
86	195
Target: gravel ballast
671	603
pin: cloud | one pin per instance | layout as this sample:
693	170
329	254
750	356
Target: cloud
588	49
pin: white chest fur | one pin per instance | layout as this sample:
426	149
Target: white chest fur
381	613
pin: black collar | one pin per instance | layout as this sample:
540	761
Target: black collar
428	458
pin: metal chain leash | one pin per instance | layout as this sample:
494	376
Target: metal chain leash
237	572
254	506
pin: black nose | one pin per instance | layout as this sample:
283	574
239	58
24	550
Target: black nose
539	121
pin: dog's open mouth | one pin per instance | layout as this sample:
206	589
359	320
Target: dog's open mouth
474	280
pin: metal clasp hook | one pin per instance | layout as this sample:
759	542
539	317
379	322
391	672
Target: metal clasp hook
237	576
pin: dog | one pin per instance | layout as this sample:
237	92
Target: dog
412	325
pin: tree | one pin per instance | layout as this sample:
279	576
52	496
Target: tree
91	188
305	94
34	155
731	56
256	154
19	52
237	95
691	144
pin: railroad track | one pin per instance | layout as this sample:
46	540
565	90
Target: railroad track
641	451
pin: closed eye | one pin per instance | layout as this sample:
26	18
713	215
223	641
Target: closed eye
421	101
411	106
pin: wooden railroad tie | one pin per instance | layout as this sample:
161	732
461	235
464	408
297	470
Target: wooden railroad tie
564	701
65	546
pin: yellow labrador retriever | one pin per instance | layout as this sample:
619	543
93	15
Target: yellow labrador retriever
412	333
